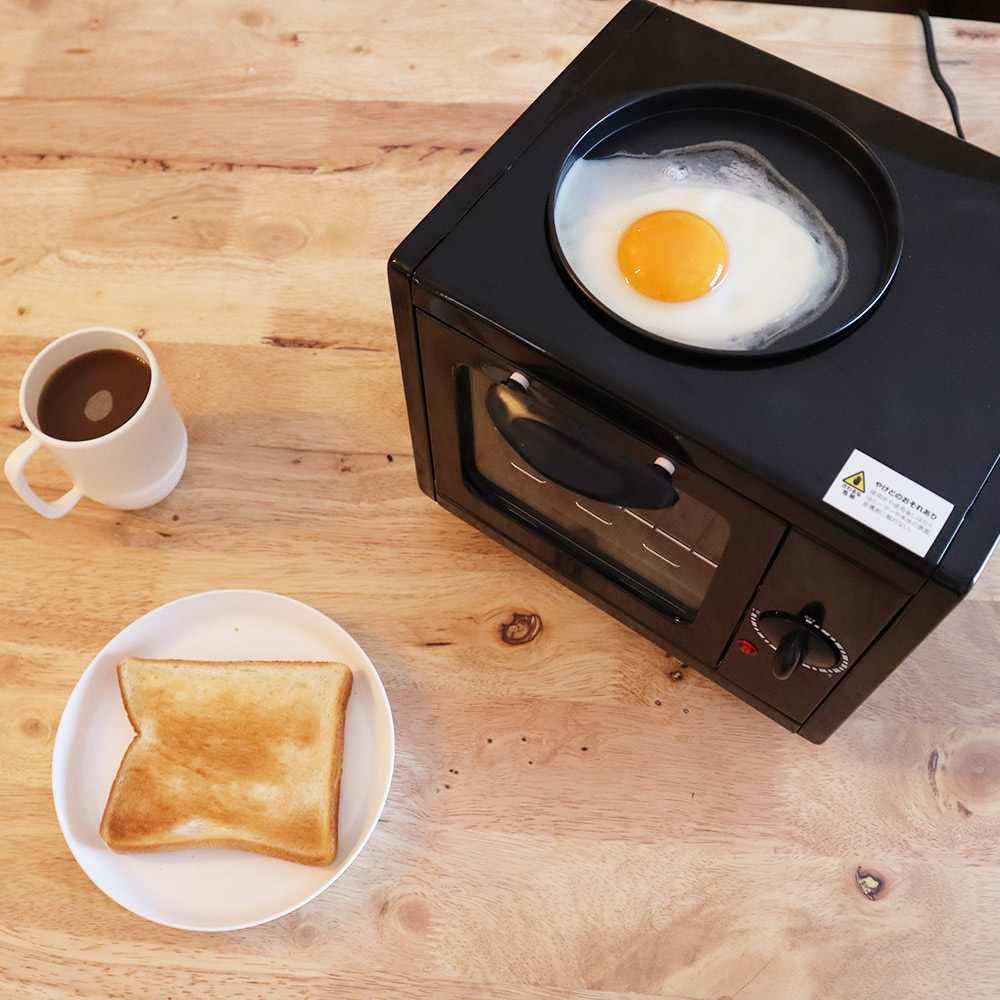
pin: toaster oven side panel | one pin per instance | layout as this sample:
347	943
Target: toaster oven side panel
963	562
921	615
408	347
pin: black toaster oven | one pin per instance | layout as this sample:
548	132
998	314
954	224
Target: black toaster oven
791	519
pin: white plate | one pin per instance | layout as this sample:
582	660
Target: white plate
209	889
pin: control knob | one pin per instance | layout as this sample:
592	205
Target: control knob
799	639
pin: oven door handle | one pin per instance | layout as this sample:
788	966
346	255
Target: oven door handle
576	456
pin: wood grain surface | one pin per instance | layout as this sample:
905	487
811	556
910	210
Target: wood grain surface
575	816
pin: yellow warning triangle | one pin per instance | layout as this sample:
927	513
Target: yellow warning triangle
857	481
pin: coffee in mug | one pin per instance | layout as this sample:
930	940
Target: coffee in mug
97	401
93	394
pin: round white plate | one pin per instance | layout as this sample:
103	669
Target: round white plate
209	889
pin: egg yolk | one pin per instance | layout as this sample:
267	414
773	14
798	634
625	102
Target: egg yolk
672	256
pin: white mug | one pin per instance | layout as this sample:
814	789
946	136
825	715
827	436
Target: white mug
133	466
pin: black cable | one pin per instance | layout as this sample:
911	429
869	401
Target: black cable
949	94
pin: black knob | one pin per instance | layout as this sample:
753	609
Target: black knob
790	654
798	639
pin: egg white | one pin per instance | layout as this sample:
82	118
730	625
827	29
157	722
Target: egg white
786	264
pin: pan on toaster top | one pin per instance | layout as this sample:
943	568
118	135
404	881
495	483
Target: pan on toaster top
726	221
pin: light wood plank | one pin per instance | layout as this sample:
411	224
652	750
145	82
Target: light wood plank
580	817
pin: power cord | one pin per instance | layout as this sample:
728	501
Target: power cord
939	79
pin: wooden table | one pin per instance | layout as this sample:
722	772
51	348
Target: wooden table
575	816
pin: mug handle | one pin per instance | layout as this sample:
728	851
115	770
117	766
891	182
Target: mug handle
13	469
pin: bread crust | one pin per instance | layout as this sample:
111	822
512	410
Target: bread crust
244	755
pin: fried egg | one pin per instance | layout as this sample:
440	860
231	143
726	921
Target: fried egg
705	245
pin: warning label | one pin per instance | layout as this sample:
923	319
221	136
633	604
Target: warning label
888	502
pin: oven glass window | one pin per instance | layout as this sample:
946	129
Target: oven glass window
671	553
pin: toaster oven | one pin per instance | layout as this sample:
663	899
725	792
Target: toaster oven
790	519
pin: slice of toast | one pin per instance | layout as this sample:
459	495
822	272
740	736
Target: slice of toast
239	755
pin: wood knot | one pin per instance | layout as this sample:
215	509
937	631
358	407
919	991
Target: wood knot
34	728
251	18
520	629
269	236
966	774
306	934
870	883
414	915
305	343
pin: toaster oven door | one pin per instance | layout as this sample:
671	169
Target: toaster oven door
624	520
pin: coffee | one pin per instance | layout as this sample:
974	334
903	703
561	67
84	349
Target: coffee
92	394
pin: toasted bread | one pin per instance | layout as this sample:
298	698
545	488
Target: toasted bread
239	755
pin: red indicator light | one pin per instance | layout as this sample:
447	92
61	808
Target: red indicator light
746	646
